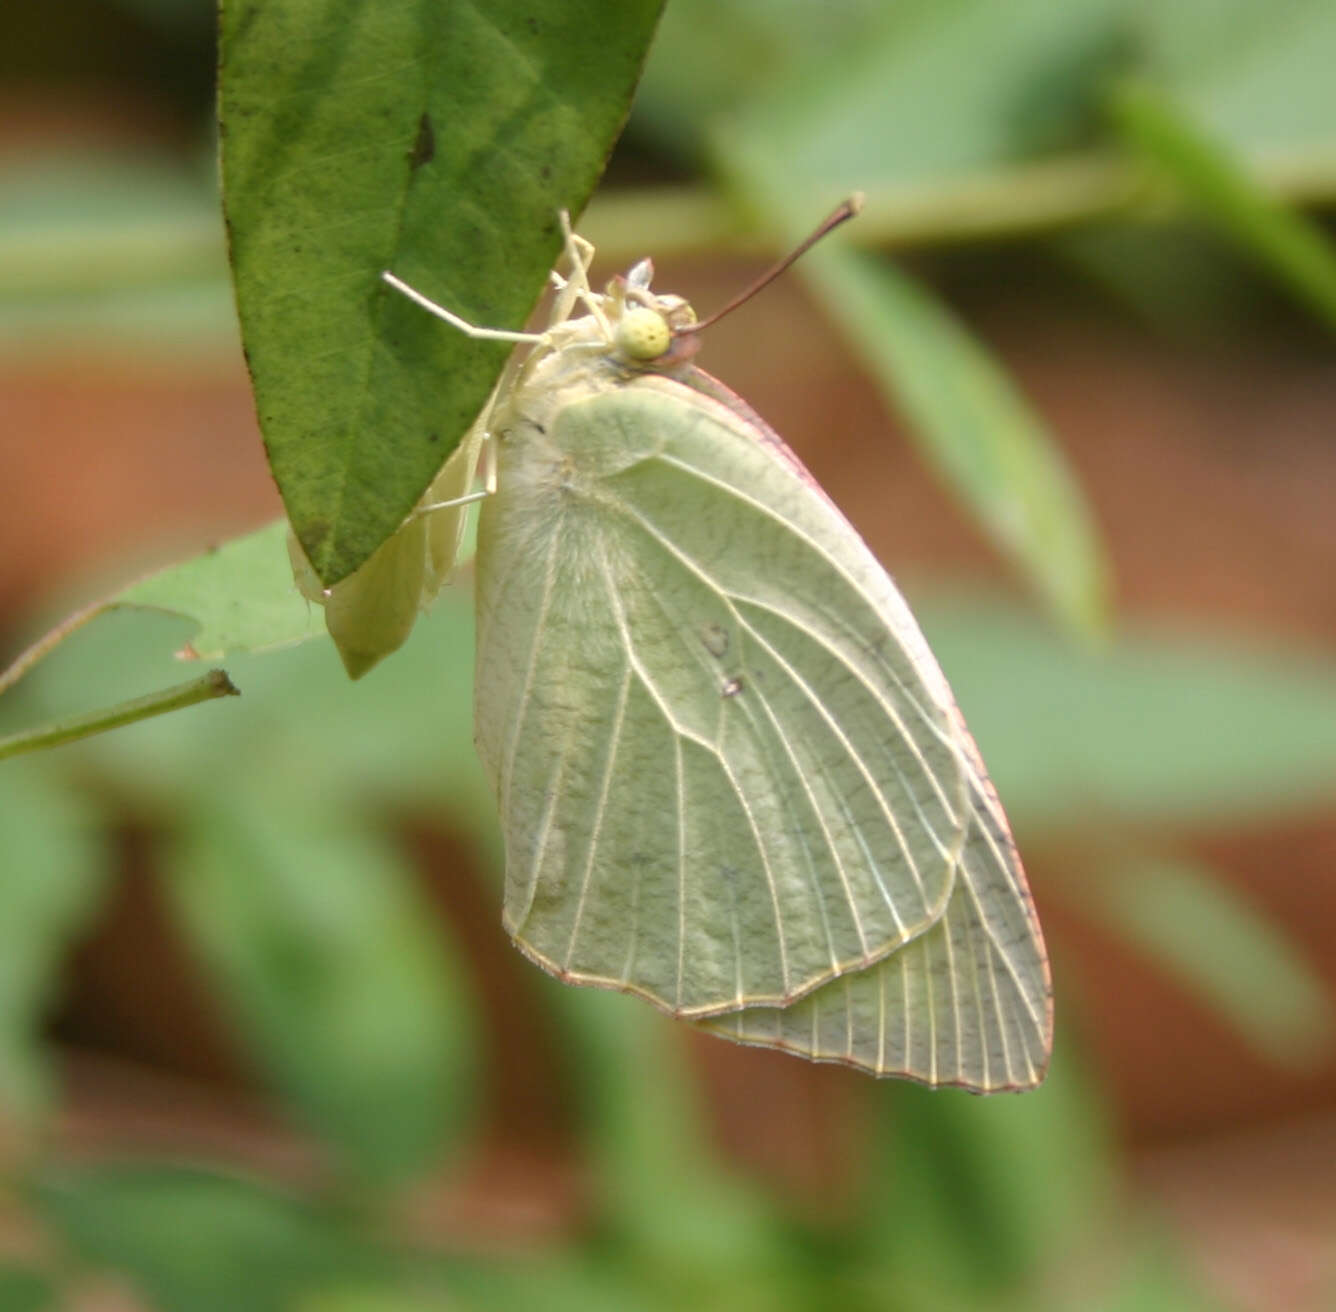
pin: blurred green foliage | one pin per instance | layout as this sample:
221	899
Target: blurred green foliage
274	819
276	841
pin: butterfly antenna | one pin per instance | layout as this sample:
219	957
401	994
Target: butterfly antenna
840	214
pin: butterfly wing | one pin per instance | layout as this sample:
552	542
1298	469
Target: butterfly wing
727	766
370	613
968	1003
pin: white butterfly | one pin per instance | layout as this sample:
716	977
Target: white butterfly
731	776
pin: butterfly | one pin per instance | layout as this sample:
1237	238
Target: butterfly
732	779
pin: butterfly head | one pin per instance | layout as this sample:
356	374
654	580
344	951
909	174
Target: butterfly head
647	326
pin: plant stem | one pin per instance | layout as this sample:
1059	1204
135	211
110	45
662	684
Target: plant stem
214	684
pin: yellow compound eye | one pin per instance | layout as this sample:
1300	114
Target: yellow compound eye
643	334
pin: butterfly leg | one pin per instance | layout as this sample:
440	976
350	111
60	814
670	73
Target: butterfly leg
468	329
575	288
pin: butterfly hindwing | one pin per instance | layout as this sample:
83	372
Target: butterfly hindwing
726	774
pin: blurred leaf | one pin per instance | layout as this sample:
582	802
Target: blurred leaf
1293	249
1228	952
437	140
596	1277
240	594
988	1195
192	1241
54	870
1154	1279
660	1184
1256	76
974	427
240	597
711	57
375	1300
300	732
334	972
118	253
24	1290
1175	279
80	225
945	88
1157	727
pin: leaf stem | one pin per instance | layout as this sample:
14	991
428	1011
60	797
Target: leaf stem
214	684
48	642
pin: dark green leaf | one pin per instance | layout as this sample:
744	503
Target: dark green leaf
435	139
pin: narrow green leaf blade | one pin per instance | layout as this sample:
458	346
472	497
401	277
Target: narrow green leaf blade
439	140
1189	920
989	1190
974	427
1207	174
335	975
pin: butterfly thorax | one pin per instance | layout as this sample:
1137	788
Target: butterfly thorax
629	332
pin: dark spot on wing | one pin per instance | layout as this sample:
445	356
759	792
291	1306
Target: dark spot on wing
715	638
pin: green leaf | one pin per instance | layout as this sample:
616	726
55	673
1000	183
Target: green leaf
659	1183
974	426
240	594
52	872
940	92
1226	951
1160	726
191	1240
334	973
24	1290
713	57
991	1194
240	597
1204	172
1258	77
405	736
439	140
1155	1277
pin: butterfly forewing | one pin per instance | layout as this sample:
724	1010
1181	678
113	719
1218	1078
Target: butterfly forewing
727	768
